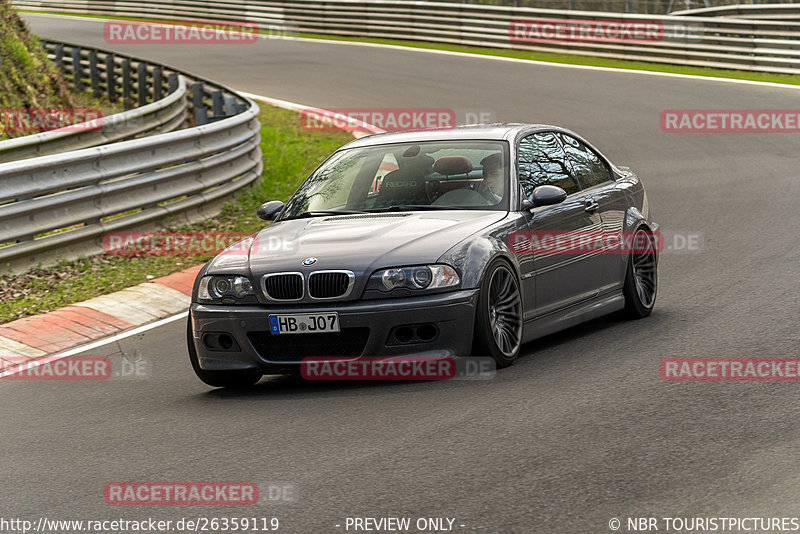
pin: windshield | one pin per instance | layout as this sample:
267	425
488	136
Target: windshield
431	175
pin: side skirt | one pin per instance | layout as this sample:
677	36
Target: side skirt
574	315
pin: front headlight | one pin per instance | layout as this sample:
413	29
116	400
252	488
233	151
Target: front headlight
225	289
416	278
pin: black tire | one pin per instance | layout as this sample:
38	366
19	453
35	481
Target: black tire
218	379
498	317
641	276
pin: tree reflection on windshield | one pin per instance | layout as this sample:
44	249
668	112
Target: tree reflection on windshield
430	175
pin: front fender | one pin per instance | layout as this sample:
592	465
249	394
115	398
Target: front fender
472	255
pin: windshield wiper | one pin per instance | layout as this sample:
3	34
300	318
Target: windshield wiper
317	213
413	207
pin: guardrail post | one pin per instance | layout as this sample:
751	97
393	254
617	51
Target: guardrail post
172	82
230	106
111	78
217	104
157	84
94	75
142	81
126	83
200	112
59	59
77	70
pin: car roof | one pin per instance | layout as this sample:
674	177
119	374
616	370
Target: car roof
497	132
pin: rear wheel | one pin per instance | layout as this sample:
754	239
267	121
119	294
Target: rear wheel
498	319
641	277
218	379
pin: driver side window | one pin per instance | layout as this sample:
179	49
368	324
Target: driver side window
542	161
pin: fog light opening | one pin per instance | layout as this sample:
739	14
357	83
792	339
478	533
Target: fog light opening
404	334
427	332
225	341
210	341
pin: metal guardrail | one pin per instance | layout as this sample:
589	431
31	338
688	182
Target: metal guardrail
765	46
780	12
62	204
130	81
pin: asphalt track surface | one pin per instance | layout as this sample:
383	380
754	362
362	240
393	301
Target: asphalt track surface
582	429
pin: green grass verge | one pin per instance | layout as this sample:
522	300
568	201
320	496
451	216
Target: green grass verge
290	154
548	57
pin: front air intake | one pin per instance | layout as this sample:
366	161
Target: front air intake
330	284
283	286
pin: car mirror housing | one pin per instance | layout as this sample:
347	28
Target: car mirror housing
547	195
269	210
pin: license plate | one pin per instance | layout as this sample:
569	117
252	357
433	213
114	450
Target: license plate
304	323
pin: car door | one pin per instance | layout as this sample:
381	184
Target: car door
595	177
561	276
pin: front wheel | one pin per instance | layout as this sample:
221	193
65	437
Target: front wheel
218	379
498	319
641	277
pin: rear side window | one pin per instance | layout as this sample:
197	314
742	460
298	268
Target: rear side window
589	169
542	161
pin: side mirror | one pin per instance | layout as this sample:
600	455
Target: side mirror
269	210
547	195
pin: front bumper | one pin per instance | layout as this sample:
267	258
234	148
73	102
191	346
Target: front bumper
367	329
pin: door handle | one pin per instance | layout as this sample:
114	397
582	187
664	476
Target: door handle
592	205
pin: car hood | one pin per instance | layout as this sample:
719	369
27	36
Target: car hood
360	243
